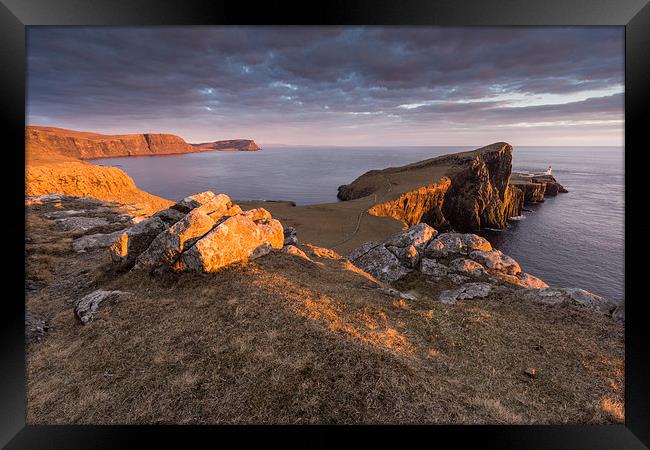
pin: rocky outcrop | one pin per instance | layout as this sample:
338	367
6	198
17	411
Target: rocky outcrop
536	187
235	239
479	196
232	145
467	261
465	191
201	233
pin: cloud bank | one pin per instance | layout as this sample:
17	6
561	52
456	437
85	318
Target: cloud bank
333	85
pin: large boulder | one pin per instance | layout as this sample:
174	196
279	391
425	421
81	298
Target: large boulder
167	246
130	244
379	262
233	240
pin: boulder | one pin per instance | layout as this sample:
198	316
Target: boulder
233	240
591	300
466	291
496	260
86	307
130	244
417	236
467	266
167	246
456	243
379	262
95	241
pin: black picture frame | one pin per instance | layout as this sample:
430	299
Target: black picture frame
16	15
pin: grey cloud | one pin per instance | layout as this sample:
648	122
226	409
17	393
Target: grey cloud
230	77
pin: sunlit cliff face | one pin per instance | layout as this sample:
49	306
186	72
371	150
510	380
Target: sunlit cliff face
333	85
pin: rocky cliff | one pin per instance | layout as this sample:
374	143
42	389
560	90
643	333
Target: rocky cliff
82	145
70	177
233	145
536	187
466	191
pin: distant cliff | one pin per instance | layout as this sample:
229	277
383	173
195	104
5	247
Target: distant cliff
82	145
233	145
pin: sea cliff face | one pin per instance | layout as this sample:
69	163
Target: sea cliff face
479	196
474	192
82	145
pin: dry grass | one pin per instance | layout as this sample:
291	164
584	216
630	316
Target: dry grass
287	340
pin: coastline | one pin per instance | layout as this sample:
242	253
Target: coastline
348	289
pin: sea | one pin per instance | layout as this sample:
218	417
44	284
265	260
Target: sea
572	240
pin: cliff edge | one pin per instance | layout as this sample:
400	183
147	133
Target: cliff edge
465	191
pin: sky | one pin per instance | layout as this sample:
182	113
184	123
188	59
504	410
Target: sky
366	86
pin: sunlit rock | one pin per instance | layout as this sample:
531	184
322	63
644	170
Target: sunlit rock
233	240
467	266
496	260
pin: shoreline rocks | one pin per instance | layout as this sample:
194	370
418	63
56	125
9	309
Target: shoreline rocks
468	261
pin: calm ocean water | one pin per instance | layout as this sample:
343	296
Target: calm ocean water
572	240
